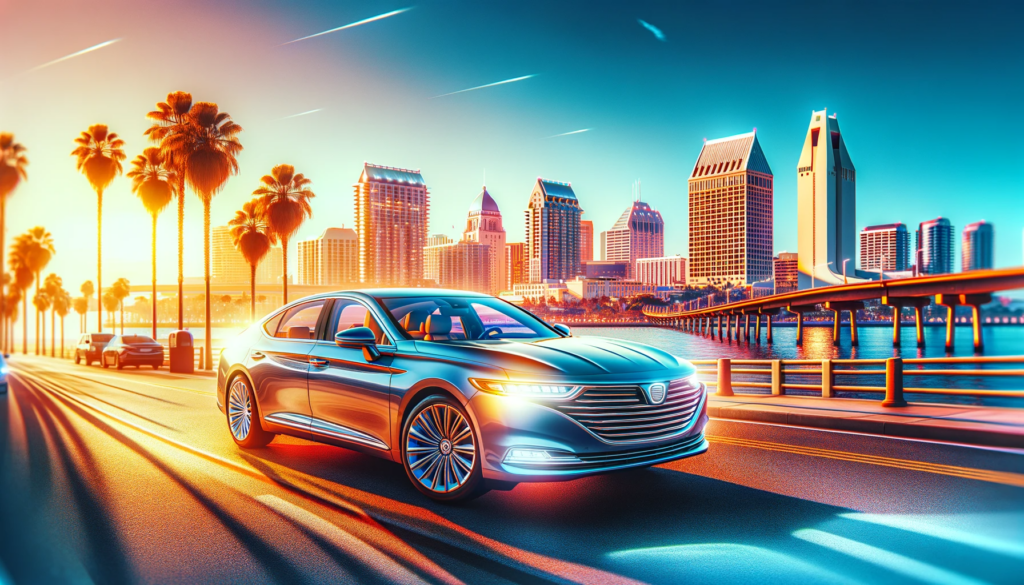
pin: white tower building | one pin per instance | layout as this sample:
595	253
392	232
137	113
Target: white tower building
484	226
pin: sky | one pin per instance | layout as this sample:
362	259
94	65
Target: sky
926	94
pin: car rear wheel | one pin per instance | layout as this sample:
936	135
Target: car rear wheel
440	451
244	416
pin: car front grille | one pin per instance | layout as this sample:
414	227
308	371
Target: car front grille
623	413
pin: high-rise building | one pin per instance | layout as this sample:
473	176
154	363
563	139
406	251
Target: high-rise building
786	272
552	232
392	210
826	190
638	233
977	246
228	266
663	271
885	247
484	226
332	258
460	265
730	213
586	240
430	265
515	270
934	247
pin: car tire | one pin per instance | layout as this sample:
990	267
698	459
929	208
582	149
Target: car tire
78	358
243	415
103	361
435	459
156	366
117	362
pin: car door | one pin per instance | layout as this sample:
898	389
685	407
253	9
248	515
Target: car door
349	395
278	363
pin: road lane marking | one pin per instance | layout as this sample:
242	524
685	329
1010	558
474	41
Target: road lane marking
1002	477
902	565
355	548
91	377
911	524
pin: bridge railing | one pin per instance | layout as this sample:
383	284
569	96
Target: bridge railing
778	376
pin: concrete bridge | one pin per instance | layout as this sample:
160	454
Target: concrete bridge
971	289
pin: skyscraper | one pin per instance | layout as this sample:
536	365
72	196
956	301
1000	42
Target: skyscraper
885	247
461	265
515	271
638	233
430	261
826	203
228	266
785	269
935	247
663	271
731	213
484	226
332	258
392	209
586	240
552	232
977	246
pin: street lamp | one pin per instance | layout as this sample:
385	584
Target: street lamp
844	270
815	267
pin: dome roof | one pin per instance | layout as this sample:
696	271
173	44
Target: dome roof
483	202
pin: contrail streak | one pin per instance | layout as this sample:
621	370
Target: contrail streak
302	114
353	25
654	30
483	86
73	55
573	132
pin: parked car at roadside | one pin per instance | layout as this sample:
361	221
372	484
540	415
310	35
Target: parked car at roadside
90	347
132	350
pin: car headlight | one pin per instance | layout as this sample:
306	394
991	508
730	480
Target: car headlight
3	371
526	389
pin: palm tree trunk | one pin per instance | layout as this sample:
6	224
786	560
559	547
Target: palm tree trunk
53	333
24	323
121	303
252	293
284	268
37	316
99	260
154	277
208	343
62	338
181	248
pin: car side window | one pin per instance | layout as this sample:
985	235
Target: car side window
348	314
299	322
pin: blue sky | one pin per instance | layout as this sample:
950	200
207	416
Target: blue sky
926	94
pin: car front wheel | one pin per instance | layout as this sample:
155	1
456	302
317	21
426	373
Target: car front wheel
441	452
244	416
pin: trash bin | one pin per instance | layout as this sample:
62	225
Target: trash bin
182	352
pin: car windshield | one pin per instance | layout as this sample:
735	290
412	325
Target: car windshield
101	337
137	339
462	318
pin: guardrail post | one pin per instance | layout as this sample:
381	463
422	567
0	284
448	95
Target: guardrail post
828	379
894	382
778	378
724	377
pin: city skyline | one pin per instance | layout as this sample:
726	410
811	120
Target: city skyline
645	126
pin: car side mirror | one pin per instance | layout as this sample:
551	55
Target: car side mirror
7	356
359	337
563	329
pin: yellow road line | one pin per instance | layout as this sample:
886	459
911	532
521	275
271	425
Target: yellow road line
1002	477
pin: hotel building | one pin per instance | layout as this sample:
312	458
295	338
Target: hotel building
731	193
934	250
484	226
331	259
977	246
228	266
785	268
885	248
638	233
586	240
392	210
552	232
459	265
664	271
515	269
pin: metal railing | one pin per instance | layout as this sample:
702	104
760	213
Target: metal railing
826	370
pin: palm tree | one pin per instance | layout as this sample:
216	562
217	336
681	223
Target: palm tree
81	306
284	201
61	306
203	147
39	252
53	286
42	303
23	278
110	303
12	171
87	289
250	236
171	118
121	290
99	153
153	181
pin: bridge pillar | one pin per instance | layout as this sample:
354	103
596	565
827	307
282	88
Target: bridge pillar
746	328
757	328
768	333
897	304
975	302
950	302
853	327
800	310
728	327
719	327
837	308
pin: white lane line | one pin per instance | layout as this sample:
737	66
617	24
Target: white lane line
911	524
897	563
367	555
91	376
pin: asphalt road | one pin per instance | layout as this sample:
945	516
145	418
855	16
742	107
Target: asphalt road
126	477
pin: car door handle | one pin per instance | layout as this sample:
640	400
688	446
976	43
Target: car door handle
257	355
317	362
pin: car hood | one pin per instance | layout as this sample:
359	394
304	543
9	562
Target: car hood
562	357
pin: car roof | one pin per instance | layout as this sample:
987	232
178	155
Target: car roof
391	293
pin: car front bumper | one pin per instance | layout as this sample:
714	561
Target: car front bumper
506	424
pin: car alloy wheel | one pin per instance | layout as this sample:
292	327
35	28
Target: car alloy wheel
440	451
243	416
